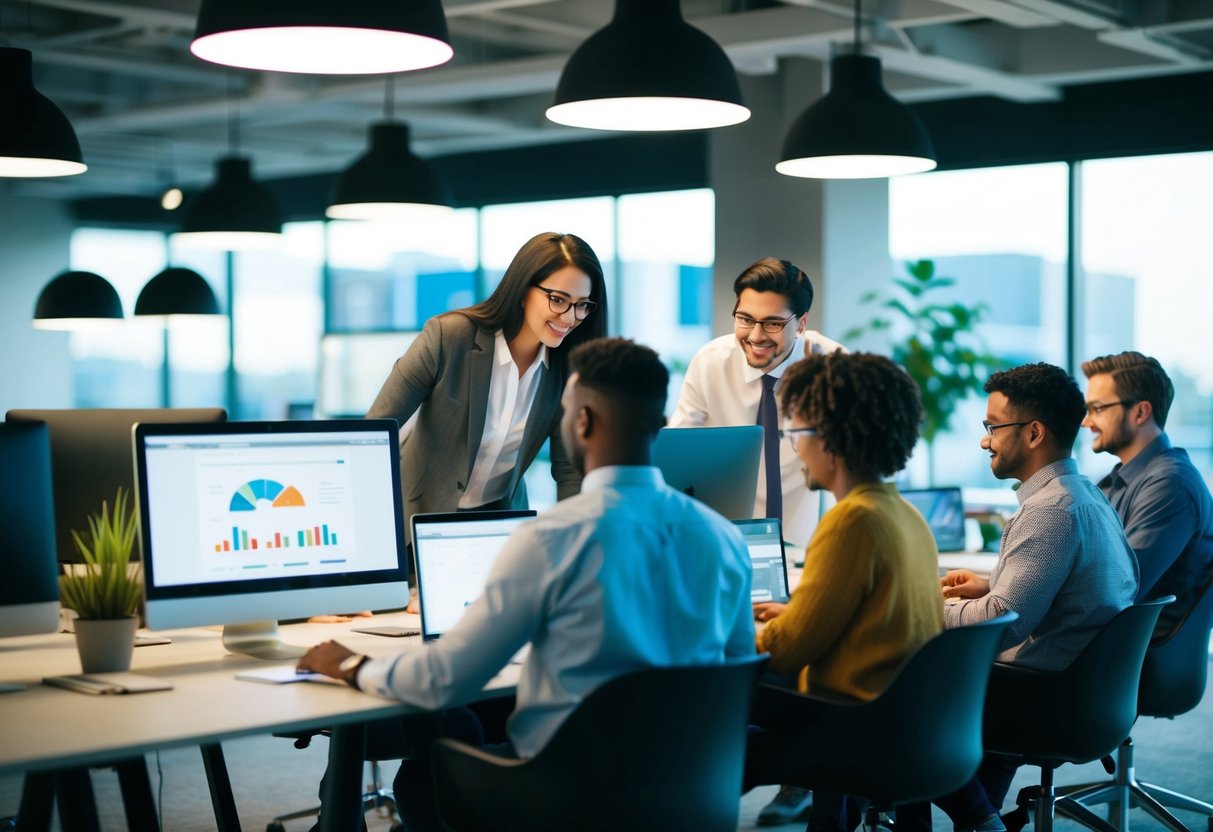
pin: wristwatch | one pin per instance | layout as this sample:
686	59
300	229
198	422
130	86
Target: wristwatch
350	666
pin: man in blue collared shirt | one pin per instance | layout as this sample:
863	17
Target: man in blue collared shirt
1161	498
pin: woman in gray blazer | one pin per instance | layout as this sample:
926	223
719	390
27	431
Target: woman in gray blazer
485	382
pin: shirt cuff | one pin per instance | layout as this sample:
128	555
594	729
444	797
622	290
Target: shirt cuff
373	677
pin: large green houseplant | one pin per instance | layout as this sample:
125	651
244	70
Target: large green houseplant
102	591
936	342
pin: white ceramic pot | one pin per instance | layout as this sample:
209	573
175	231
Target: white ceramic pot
105	645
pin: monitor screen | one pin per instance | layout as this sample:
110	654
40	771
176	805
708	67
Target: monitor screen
454	554
944	511
764	540
91	458
251	522
29	586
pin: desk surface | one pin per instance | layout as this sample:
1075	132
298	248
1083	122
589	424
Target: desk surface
47	728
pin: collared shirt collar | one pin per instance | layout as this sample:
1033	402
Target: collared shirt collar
1044	476
501	351
609	475
1126	472
751	374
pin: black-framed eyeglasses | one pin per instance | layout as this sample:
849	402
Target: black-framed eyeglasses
746	322
1095	408
991	428
793	434
559	302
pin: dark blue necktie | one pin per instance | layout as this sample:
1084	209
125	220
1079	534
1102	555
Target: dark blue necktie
768	417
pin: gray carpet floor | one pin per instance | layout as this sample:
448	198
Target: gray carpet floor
271	777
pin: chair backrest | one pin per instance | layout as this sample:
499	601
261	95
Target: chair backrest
660	748
921	738
1176	669
1083	712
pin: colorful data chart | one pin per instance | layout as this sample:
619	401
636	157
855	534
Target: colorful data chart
247	496
241	540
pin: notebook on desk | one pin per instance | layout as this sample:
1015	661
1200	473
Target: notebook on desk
454	553
764	540
944	511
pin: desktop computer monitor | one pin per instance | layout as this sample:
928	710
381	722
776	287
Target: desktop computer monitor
29	585
716	465
246	523
91	458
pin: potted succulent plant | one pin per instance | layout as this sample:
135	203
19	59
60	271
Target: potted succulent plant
103	592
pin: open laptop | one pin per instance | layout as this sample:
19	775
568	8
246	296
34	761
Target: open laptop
454	553
718	466
944	511
764	539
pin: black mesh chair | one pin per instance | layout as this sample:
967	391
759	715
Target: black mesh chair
1173	680
657	749
921	738
1075	715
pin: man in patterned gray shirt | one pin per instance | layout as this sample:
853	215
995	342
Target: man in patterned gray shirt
1064	565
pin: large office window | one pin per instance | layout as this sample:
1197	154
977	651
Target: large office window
1146	249
1001	234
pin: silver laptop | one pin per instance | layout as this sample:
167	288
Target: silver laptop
764	539
454	553
718	466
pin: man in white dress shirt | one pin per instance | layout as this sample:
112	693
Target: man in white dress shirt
725	384
628	574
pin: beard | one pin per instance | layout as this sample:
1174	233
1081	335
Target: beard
1114	440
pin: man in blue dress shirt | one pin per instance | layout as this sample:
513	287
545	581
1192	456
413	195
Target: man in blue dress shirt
1161	498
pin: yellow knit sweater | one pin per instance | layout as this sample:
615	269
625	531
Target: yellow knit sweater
868	597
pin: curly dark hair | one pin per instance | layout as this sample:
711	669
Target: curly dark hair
1138	378
865	408
628	374
1046	393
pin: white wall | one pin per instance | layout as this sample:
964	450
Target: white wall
35	367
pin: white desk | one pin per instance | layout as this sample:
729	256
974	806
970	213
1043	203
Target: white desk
979	562
47	729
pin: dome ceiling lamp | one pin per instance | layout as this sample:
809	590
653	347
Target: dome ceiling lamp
77	300
234	212
323	37
856	130
176	291
389	181
648	70
36	139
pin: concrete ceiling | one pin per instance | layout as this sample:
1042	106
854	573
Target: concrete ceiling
148	112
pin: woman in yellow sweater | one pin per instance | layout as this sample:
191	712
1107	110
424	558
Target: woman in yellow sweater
869	594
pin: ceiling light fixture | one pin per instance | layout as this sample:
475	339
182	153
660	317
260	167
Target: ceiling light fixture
234	212
77	300
646	70
36	138
389	181
177	291
323	37
856	130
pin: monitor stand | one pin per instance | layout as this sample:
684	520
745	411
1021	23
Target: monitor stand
260	640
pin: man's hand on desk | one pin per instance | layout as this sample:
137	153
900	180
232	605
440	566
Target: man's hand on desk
325	658
766	610
961	583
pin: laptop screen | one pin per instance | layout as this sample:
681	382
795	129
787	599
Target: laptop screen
944	511
715	465
454	554
764	539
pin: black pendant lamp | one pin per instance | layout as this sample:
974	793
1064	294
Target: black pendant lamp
857	130
389	181
323	37
36	139
234	212
648	69
77	300
177	291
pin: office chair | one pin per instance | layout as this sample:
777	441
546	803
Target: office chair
1173	679
919	739
657	749
375	798
1075	715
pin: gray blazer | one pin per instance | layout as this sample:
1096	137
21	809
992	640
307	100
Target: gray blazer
445	374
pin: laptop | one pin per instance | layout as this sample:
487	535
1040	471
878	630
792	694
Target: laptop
454	553
764	539
718	465
944	511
